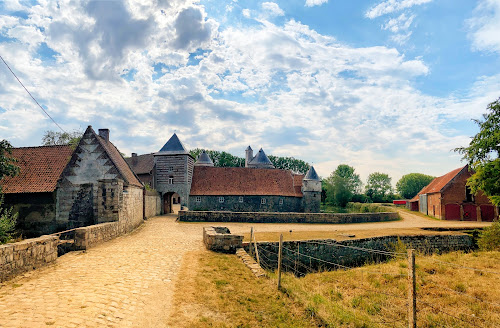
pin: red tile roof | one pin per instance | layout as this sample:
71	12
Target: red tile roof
235	181
39	169
438	183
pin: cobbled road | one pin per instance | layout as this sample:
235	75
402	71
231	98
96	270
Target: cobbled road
126	282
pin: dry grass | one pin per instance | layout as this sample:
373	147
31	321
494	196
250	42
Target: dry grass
358	298
217	290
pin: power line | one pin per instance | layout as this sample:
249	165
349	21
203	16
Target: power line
31	94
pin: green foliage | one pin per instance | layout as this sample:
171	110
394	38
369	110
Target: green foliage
367	208
483	152
289	163
52	138
342	185
7	222
410	184
489	239
7	163
378	187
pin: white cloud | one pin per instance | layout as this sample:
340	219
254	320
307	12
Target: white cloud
390	6
312	3
272	9
401	23
484	26
246	12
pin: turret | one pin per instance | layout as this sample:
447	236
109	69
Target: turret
311	191
204	160
261	161
248	155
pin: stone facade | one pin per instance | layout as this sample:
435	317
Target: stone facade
220	239
27	255
247	203
174	174
87	237
275	217
152	204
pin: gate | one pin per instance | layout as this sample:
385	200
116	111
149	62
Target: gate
470	212
487	213
452	212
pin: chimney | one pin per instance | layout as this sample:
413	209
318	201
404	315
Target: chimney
134	154
104	133
134	158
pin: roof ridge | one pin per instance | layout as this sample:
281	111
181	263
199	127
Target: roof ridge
42	146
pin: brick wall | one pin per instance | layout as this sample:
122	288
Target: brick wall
26	255
220	239
275	217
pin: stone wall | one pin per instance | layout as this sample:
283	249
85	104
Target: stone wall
305	254
26	255
220	239
275	217
133	206
152	204
87	237
248	203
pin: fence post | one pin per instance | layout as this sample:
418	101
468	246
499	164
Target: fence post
279	260
412	291
250	243
256	249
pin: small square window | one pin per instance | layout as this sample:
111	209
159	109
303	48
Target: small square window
221	199
171	180
262	200
198	199
170	168
281	201
240	199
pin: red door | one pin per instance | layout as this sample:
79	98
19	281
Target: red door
470	212
487	213
452	212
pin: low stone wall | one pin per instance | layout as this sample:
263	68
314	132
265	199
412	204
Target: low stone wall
152	204
27	255
285	217
90	236
315	254
220	239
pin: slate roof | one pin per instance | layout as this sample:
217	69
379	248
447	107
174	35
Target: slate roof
261	158
241	181
40	168
439	183
204	159
311	174
141	164
174	146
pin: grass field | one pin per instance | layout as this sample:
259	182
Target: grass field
219	291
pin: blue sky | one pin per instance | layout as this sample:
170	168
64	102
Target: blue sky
382	85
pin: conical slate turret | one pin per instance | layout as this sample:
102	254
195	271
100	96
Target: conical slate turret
204	160
173	146
261	161
311	174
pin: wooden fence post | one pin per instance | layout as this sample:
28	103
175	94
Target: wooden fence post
279	260
256	249
250	243
412	291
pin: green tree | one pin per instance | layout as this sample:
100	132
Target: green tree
482	154
378	187
7	168
342	185
410	184
289	163
52	138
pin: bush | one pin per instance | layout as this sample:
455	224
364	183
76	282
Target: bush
7	222
489	239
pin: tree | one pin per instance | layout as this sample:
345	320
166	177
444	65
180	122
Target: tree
7	222
7	163
52	138
341	185
289	163
410	184
378	187
482	154
7	168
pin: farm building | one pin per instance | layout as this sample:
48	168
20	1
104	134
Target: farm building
448	198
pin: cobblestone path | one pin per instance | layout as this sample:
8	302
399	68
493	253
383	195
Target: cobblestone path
127	282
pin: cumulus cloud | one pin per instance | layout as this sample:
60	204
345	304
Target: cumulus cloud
192	31
312	3
272	9
390	6
484	26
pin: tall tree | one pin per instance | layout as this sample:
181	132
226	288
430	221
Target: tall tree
289	163
51	138
410	184
342	185
378	186
483	153
7	168
7	162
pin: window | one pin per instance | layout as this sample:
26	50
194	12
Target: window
281	201
262	201
240	199
221	199
170	168
469	197
198	199
171	180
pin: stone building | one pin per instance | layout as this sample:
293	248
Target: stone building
59	188
184	183
448	197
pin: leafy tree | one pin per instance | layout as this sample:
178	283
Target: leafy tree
7	168
482	154
378	187
410	184
52	138
342	185
289	163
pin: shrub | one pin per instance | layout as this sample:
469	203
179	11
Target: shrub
7	222
489	239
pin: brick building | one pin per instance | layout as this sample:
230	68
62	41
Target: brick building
448	198
59	188
198	185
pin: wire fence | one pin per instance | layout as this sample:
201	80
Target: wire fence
299	259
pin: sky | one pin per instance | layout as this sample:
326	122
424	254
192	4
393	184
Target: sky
386	86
